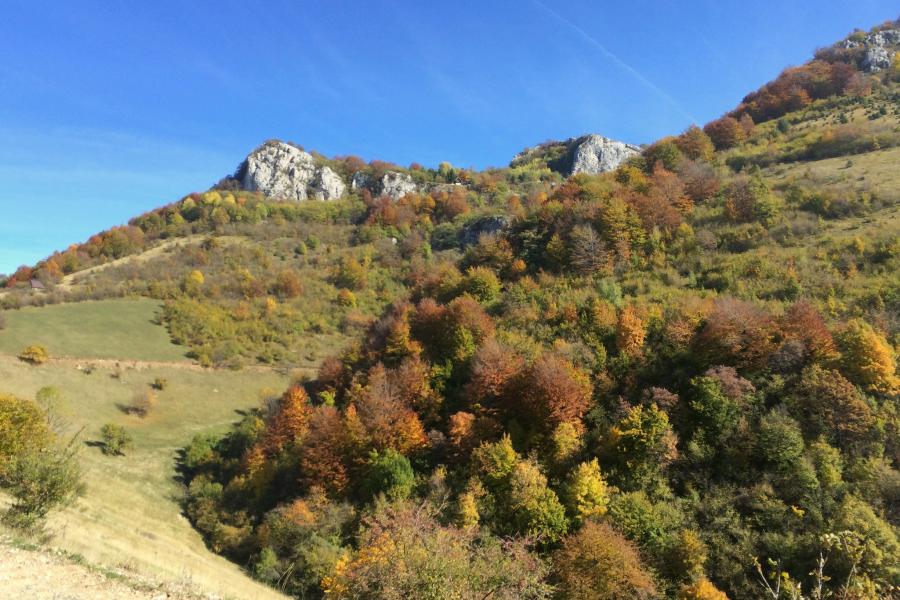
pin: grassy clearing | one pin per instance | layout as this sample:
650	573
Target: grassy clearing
874	172
116	329
129	516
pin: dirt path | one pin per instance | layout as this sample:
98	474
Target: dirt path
42	575
142	365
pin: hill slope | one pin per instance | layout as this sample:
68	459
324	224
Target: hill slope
643	380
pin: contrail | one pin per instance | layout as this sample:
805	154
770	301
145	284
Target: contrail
615	59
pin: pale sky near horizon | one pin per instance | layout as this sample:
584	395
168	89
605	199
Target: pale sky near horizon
109	109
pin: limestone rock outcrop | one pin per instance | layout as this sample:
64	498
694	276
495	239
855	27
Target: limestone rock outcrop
395	184
595	154
286	172
592	154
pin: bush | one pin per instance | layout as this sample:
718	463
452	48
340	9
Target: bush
160	383
35	354
141	403
115	440
39	482
2	321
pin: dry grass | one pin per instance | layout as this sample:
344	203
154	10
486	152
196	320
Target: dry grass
130	516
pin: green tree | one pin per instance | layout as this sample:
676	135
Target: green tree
116	441
389	473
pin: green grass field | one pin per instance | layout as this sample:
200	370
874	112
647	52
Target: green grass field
114	329
130	515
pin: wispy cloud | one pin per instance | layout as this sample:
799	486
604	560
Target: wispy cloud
613	58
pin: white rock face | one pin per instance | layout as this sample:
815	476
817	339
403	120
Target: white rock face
879	55
282	171
327	185
394	184
595	154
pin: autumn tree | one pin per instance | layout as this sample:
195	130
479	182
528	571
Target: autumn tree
388	421
494	368
289	423
404	552
695	144
827	404
725	132
803	322
586	492
737	333
867	358
325	450
630	333
597	563
287	284
553	391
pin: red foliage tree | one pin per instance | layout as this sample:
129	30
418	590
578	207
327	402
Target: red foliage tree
325	451
289	423
552	391
725	132
737	333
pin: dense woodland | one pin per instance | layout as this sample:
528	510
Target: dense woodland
676	380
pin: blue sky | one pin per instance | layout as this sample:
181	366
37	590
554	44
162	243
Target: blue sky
108	109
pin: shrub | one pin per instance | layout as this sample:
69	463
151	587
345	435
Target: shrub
2	321
39	482
160	383
115	440
35	355
141	403
23	428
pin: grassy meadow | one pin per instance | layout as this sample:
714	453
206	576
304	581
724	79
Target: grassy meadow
130	514
114	329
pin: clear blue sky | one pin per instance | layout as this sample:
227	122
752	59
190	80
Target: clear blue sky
108	109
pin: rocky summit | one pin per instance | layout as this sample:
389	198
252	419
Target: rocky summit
592	154
286	172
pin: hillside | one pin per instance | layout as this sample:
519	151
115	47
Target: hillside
602	372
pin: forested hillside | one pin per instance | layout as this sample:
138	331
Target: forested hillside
677	379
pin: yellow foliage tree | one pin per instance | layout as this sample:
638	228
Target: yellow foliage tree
587	494
702	589
868	359
630	333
